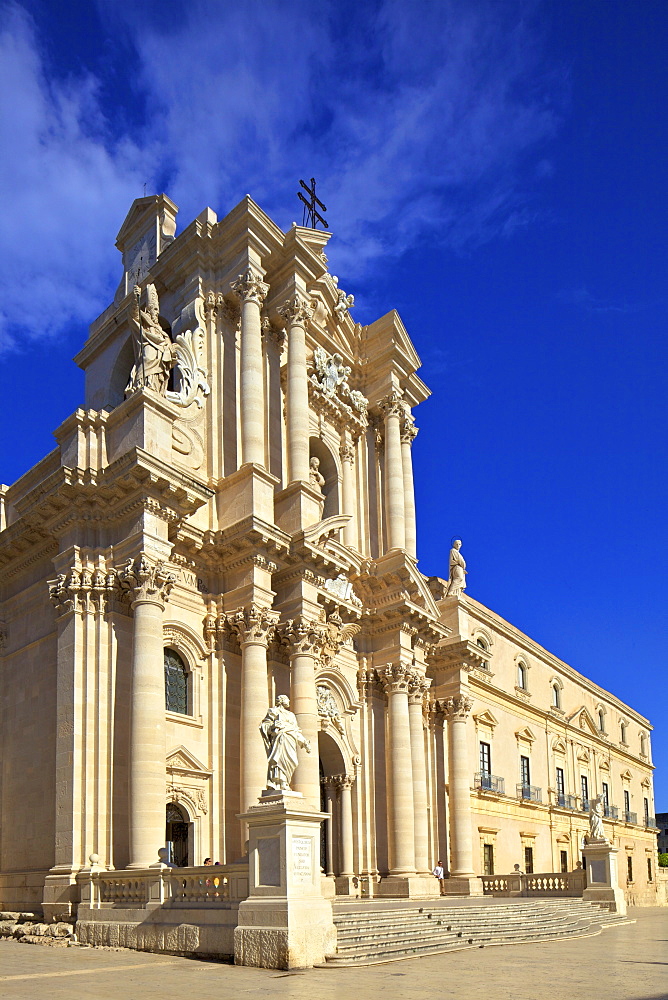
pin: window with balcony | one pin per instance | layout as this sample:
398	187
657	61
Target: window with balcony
485	758
645	806
525	771
584	792
561	786
606	798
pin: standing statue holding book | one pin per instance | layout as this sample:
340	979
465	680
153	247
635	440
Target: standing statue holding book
282	737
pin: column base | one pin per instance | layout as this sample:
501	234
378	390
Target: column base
61	896
463	885
348	885
408	887
248	491
298	506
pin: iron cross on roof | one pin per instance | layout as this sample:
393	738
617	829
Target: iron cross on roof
311	215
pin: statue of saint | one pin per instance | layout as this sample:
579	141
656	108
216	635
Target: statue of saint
282	736
315	475
154	351
458	571
596	813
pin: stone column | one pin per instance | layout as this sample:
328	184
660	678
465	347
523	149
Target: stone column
416	693
330	792
304	640
347	453
255	627
393	408
297	313
345	783
408	435
461	845
149	586
251	291
396	679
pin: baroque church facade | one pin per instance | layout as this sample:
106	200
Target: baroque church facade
229	518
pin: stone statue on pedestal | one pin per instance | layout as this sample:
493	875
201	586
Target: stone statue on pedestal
282	736
315	475
596	813
154	351
457	577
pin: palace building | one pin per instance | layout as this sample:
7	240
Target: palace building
229	517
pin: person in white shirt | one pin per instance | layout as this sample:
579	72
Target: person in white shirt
440	875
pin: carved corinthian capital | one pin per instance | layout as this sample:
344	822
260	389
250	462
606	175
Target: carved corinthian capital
347	453
417	689
457	707
393	405
145	581
253	625
408	428
296	311
396	678
303	637
250	287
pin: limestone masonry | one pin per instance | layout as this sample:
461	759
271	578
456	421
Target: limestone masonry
230	517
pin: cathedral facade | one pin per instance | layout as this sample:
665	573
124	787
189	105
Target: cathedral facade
231	518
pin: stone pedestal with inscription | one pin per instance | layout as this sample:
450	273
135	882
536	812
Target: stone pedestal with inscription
285	923
603	876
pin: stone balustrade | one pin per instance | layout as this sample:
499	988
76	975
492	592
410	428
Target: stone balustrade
211	885
544	884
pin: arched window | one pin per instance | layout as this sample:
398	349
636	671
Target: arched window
643	744
601	720
623	732
176	684
522	676
556	695
481	642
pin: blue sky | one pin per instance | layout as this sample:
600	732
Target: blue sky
493	170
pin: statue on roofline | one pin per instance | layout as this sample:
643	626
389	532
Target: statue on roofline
458	571
154	351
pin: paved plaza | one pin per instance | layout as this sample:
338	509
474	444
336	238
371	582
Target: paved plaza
623	963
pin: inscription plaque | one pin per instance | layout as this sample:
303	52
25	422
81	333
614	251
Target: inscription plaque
302	860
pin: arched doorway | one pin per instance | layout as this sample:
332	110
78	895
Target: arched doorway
177	836
332	771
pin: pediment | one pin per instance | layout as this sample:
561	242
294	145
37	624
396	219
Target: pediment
525	735
558	745
487	719
584	721
583	756
626	776
182	760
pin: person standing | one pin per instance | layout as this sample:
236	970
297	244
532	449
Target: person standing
440	875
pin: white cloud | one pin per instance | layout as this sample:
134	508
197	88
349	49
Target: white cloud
417	120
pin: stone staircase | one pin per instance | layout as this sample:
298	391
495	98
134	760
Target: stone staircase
382	932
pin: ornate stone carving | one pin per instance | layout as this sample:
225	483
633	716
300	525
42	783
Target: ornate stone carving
202	801
408	429
273	334
327	707
331	377
146	581
457	707
250	287
336	635
342	588
213	304
190	375
343	302
84	589
347	453
393	404
341	781
396	677
282	736
253	624
297	310
418	687
303	637
458	571
596	814
154	351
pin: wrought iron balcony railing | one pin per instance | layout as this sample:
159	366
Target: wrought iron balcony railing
650	821
611	812
630	817
530	793
566	801
490	782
